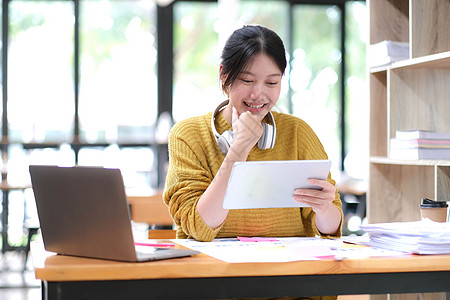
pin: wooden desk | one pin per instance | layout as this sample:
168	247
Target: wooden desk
201	276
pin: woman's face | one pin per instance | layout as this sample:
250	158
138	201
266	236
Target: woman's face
257	88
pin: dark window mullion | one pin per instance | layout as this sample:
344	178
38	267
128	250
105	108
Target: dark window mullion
5	28
165	58
76	77
342	83
165	79
291	52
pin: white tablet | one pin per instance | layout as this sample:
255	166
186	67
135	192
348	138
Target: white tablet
268	184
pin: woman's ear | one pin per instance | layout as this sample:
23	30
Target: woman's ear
223	79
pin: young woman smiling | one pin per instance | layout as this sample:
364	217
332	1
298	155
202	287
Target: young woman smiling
203	150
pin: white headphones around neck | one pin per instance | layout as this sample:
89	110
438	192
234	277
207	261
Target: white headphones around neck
224	140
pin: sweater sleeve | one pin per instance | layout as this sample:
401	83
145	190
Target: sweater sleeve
188	177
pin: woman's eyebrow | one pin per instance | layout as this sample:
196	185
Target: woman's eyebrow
270	75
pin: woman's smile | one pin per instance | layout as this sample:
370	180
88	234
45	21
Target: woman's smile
257	106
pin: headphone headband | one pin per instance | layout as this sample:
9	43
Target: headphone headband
216	111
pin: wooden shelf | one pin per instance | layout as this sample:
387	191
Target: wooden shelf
433	61
408	94
386	160
405	95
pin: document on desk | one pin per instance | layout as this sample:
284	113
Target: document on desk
244	250
420	237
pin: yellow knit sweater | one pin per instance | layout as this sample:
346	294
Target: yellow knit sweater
195	158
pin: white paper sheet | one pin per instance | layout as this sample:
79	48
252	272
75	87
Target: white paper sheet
282	249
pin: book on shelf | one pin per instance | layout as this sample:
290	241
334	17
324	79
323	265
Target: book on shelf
419	153
420	143
421	134
386	52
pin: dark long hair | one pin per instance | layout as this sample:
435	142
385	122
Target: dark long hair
244	44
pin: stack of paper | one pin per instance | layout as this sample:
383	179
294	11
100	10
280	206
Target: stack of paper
421	237
387	52
420	144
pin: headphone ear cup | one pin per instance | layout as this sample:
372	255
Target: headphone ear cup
262	139
266	139
224	141
270	142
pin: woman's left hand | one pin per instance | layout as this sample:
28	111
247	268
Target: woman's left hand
320	200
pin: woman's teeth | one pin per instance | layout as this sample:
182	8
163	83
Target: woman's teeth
254	106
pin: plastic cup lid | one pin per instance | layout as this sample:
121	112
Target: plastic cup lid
431	203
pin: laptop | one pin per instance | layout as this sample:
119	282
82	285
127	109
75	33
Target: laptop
83	211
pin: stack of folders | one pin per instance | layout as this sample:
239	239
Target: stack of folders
420	237
386	52
420	144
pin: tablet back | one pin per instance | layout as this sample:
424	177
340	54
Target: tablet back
269	184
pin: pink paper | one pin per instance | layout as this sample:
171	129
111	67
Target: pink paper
257	239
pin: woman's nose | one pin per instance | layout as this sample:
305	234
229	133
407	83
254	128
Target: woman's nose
256	92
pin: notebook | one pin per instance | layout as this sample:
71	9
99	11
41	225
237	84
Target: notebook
270	184
83	211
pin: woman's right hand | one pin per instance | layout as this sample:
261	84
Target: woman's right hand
247	130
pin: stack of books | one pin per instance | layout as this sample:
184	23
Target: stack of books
420	144
386	52
419	237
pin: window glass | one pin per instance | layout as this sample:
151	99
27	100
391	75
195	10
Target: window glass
19	159
118	100
273	15
196	87
315	72
137	165
40	65
118	97
197	49
357	101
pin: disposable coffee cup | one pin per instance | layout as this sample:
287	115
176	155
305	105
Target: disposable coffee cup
434	210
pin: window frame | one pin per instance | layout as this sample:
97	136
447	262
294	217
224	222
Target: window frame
165	72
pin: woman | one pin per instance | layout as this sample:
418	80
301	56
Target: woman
252	66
